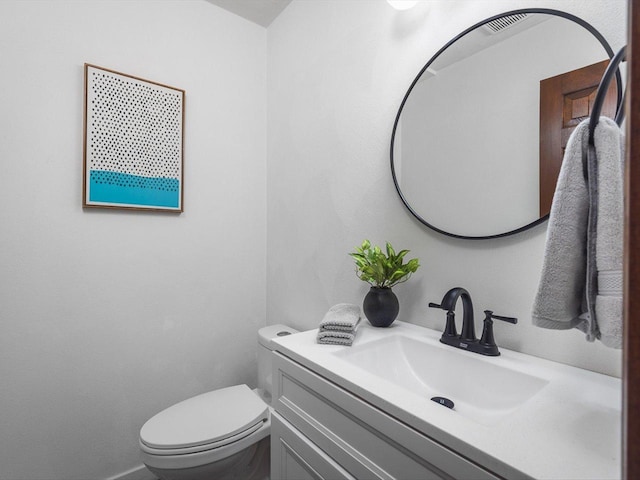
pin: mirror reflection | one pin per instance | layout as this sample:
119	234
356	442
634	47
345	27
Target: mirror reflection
478	142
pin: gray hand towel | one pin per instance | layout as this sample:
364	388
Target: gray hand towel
336	338
560	300
581	282
609	148
341	317
338	327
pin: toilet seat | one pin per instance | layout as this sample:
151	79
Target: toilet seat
205	428
205	421
204	447
172	460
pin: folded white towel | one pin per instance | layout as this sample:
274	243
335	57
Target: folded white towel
341	317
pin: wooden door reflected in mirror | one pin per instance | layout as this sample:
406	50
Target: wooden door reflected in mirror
566	100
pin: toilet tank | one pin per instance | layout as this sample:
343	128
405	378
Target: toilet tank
265	346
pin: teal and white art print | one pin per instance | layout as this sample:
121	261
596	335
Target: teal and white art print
133	151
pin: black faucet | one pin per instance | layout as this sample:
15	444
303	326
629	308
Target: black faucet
467	339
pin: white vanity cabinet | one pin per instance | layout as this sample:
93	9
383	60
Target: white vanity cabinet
322	431
293	456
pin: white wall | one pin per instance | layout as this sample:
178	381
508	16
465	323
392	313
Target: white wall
107	317
337	72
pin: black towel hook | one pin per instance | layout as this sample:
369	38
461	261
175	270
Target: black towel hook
612	69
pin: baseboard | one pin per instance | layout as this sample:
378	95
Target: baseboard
136	473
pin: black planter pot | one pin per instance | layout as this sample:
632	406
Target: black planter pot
381	306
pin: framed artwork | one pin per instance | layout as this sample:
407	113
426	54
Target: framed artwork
133	142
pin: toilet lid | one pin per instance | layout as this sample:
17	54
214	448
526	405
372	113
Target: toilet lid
205	419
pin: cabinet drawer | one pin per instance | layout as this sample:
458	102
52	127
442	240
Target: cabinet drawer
293	457
362	439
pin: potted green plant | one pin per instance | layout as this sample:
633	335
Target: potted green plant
382	271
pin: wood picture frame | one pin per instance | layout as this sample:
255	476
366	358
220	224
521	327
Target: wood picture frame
133	142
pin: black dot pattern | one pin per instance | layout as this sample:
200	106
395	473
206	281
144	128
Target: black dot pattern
134	129
101	177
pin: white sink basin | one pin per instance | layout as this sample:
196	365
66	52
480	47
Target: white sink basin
481	389
523	416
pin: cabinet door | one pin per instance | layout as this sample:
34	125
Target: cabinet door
293	457
365	441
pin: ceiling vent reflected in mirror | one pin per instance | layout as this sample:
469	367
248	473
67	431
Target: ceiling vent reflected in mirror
501	24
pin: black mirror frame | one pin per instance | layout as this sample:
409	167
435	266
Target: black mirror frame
547	11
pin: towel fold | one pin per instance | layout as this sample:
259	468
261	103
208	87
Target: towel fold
341	317
336	338
609	148
580	286
338	327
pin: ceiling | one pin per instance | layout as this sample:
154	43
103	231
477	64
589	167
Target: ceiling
262	12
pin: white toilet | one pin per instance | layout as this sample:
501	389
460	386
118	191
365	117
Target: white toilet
222	435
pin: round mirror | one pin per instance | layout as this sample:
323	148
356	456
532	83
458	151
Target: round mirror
479	137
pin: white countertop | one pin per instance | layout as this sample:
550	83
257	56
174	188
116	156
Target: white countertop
570	429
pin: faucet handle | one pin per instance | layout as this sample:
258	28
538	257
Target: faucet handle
450	326
487	341
513	320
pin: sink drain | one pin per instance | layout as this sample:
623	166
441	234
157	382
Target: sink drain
443	401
